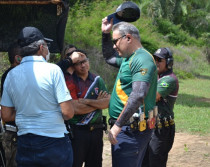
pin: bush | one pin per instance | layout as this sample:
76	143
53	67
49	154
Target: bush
174	34
196	23
150	46
4	62
206	38
183	74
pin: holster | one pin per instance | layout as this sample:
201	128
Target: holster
111	122
104	123
69	129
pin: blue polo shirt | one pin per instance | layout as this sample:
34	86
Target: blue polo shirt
35	88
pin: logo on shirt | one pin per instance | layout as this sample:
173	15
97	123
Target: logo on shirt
143	71
158	51
96	91
164	84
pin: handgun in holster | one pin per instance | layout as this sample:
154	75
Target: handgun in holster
111	122
104	124
69	129
134	123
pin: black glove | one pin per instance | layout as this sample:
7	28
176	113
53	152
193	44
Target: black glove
65	64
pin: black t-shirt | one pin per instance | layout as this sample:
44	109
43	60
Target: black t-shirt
2	88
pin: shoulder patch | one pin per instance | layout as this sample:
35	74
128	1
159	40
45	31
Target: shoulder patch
96	91
164	84
143	71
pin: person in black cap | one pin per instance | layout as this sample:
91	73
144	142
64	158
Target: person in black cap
167	90
36	97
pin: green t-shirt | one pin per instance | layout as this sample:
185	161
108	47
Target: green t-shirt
140	66
168	89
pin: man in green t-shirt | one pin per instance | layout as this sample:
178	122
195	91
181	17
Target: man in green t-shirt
134	90
167	90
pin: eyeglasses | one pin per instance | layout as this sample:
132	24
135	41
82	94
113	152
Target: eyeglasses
114	41
47	45
81	62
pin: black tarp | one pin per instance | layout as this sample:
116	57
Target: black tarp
49	18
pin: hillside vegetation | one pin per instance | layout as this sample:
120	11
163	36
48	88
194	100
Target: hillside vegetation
190	50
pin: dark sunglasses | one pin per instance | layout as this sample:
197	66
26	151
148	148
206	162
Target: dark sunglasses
81	62
114	41
158	59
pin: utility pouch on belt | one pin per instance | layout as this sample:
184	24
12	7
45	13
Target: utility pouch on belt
142	122
158	123
156	115
151	120
166	124
171	121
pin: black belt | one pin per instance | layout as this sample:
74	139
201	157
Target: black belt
133	125
112	121
87	127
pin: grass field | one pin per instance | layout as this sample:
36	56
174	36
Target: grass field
192	108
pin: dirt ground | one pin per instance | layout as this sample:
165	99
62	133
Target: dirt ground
188	151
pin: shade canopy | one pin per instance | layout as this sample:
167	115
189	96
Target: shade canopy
49	16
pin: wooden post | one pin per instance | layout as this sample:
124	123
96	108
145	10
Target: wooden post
25	2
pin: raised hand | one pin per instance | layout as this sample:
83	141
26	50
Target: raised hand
106	26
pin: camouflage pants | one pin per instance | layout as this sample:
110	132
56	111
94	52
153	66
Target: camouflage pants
9	143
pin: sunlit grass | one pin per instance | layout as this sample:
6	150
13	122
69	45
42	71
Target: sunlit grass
192	109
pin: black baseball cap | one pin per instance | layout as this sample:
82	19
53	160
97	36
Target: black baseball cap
127	11
29	35
161	53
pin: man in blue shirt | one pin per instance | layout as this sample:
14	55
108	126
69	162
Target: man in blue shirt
36	97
